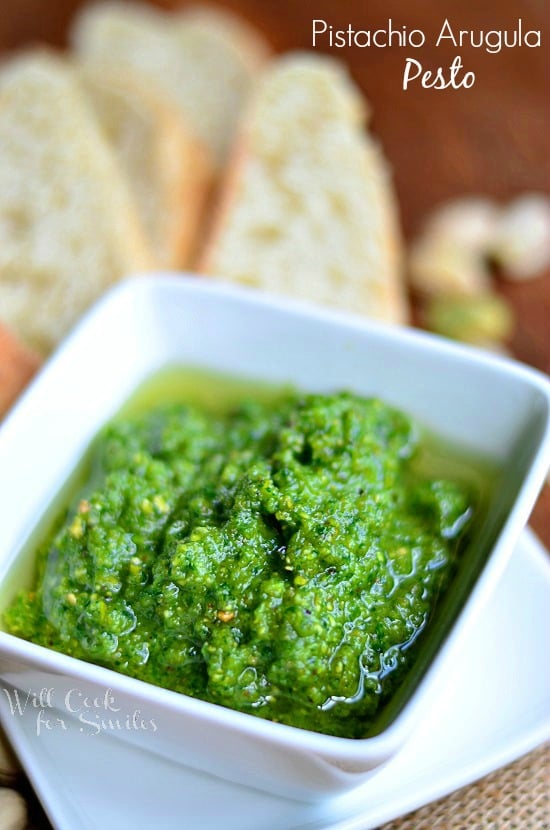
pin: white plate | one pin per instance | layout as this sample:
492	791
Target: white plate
501	687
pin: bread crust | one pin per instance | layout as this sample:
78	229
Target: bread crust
17	366
225	196
172	187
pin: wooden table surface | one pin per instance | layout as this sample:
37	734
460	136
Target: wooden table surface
491	139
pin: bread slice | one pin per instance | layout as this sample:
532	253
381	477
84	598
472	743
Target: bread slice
68	226
237	33
308	207
167	168
17	366
206	61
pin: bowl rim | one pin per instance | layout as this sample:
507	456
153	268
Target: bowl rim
334	747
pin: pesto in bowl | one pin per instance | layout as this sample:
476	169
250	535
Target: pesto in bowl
280	558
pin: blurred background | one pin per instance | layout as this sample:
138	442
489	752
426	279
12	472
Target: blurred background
491	140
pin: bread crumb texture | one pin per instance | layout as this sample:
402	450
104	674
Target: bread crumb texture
68	226
309	208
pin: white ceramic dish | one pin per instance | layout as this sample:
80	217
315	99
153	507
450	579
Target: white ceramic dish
442	754
490	406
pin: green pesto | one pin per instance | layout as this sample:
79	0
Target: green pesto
279	559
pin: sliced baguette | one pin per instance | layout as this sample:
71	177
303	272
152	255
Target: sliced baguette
167	168
308	207
236	32
205	61
68	225
17	366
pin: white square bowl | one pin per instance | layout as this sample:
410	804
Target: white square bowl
492	407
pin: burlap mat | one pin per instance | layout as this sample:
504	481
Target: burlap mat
516	797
